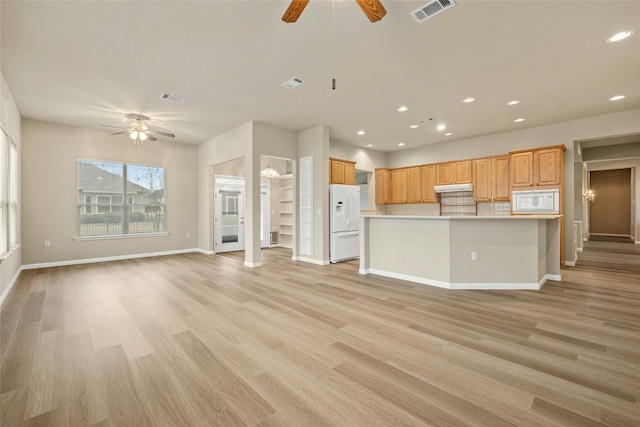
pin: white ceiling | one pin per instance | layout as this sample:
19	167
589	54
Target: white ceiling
87	63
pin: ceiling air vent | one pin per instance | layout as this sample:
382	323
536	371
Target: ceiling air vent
174	98
293	83
431	9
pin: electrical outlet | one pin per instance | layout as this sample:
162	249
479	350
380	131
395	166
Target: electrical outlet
188	234
47	243
474	256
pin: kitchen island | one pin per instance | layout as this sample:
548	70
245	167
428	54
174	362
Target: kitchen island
463	252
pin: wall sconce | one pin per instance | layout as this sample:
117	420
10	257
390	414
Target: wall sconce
589	195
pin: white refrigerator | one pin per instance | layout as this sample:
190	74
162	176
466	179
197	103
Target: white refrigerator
344	202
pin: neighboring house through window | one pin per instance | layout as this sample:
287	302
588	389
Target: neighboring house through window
107	189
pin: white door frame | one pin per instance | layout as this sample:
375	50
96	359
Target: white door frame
222	211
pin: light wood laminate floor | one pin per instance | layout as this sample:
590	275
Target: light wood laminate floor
196	340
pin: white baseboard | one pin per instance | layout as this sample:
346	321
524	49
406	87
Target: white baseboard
204	251
107	259
10	285
312	261
252	264
461	286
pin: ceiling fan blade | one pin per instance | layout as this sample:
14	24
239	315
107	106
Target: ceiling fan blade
119	133
116	127
373	9
167	134
151	137
294	10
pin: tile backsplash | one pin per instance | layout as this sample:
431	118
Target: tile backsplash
494	208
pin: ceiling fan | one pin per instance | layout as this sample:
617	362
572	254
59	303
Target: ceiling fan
372	8
138	130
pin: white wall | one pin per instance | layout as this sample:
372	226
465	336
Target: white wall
627	122
50	153
10	122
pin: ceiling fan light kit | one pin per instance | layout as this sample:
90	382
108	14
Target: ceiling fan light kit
138	131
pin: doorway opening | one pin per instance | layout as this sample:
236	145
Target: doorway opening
229	206
280	211
611	213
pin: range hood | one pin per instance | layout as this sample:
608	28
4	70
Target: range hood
453	188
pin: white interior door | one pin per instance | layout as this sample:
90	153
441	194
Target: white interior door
229	219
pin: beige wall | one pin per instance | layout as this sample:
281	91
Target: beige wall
11	123
223	148
315	142
49	178
627	122
249	142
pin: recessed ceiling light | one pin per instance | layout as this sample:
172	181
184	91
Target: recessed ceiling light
413	126
361	132
514	102
403	109
617	98
441	127
448	134
369	145
468	100
619	36
401	144
519	120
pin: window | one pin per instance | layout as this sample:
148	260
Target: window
8	194
13	196
117	188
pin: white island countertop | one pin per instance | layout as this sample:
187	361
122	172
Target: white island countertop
463	252
467	217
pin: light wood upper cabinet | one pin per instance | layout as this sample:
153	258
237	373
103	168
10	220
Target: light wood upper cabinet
414	185
521	169
454	173
383	186
342	172
501	190
548	166
444	174
349	173
399	186
463	172
428	173
482	174
543	166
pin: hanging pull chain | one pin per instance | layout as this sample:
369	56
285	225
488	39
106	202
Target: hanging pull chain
333	44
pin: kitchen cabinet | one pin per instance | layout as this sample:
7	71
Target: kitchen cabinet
342	172
501	190
548	166
398	186
383	186
482	174
538	167
454	173
463	172
444	174
414	185
428	175
521	164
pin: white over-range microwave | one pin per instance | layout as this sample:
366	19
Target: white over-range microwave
543	202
